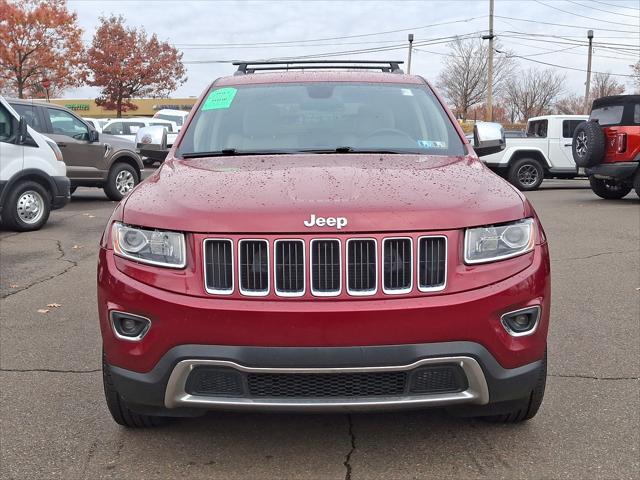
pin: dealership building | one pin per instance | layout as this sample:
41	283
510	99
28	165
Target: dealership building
86	107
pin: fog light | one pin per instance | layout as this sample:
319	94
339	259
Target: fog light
521	322
129	327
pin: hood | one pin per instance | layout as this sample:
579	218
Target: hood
277	194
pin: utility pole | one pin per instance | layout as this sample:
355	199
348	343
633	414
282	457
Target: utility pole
588	84
489	112
410	48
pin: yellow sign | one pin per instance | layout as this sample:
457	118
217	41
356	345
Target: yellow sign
87	107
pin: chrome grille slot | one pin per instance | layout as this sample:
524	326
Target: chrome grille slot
432	264
218	266
254	267
397	265
289	268
325	267
362	271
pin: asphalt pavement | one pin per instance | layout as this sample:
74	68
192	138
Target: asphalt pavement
54	422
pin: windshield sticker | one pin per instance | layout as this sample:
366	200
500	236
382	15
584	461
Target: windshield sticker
219	99
432	144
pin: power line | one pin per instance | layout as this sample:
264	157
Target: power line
399	46
584	16
631	49
548	50
297	42
617	30
562	66
626	15
614	5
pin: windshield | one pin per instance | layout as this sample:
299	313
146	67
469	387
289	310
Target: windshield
321	117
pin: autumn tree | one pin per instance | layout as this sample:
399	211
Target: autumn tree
125	63
463	79
40	41
604	85
533	92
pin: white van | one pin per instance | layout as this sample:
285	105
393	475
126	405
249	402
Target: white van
33	177
177	116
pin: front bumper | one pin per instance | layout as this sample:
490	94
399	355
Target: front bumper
164	387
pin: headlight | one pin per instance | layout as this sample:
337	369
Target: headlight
497	242
156	247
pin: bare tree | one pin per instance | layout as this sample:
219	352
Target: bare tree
570	105
604	85
635	71
532	92
463	80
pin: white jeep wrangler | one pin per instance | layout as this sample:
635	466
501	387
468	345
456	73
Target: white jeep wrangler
545	152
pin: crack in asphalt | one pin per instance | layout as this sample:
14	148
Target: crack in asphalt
72	264
47	370
591	377
347	460
594	255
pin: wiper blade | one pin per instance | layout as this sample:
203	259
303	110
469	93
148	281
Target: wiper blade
230	152
347	149
214	153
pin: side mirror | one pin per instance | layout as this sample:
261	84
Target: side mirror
22	131
94	136
488	138
151	142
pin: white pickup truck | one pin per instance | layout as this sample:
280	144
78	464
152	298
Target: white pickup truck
545	152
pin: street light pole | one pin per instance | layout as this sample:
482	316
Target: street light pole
410	48
588	84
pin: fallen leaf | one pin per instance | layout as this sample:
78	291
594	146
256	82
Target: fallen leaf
76	247
13	285
43	310
53	305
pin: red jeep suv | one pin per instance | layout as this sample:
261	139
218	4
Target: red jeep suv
322	237
608	146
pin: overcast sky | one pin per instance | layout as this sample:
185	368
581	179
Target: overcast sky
199	27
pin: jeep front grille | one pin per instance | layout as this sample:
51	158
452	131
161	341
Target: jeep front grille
218	266
289	272
254	267
325	267
400	266
432	264
362	268
398	263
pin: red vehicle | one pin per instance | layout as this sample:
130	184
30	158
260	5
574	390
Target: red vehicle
324	240
608	146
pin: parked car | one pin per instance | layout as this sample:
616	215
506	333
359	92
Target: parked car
177	116
608	146
128	127
332	243
92	159
545	152
32	174
96	123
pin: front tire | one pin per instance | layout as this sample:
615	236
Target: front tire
528	407
526	174
608	189
121	180
120	411
27	207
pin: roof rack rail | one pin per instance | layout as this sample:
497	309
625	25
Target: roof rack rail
392	66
